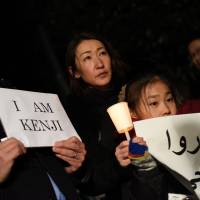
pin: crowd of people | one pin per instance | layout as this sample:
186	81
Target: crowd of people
98	167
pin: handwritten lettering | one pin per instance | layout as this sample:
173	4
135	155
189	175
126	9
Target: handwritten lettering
195	180
197	148
168	139
183	144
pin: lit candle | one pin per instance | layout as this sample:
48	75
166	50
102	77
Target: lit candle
121	118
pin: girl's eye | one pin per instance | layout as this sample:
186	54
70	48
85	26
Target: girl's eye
153	103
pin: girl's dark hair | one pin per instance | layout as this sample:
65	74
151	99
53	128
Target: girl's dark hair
119	68
135	87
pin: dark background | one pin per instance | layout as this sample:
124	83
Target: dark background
37	34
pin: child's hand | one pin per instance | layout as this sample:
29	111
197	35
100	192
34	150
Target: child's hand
139	140
121	153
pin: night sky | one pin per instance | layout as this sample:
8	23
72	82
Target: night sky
37	34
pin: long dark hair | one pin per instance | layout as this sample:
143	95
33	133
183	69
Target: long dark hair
119	68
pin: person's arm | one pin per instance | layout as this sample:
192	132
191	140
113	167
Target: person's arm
145	172
144	163
72	151
10	149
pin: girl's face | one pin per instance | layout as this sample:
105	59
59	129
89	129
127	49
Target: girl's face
93	63
156	101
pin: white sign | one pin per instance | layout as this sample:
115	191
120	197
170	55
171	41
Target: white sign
175	141
36	119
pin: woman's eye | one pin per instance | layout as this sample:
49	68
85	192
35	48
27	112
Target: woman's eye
170	99
87	58
102	53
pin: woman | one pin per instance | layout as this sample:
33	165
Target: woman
95	75
151	95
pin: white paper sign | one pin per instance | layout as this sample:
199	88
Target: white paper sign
36	119
175	141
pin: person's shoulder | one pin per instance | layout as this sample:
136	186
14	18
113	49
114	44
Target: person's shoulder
190	106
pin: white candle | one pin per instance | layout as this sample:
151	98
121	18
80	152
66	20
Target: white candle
121	118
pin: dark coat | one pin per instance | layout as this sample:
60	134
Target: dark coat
28	178
102	172
157	183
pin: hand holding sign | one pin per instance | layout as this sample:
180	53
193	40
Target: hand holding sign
10	149
72	151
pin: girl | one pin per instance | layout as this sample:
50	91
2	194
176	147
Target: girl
150	96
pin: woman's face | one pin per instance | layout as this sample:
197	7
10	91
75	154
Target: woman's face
156	101
93	63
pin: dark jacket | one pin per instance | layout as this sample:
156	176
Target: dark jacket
102	172
29	179
157	183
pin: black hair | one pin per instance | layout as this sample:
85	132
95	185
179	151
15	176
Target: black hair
135	86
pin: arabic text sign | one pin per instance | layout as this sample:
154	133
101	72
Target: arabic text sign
175	141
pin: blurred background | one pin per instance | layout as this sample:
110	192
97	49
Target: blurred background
37	33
